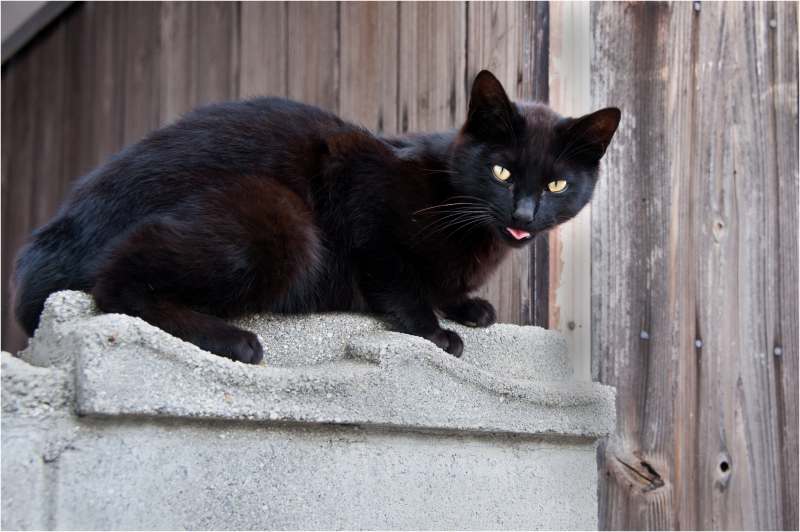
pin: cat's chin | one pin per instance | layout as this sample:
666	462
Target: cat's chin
516	237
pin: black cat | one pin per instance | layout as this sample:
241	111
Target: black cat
269	205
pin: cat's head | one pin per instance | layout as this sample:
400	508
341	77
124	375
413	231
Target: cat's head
530	167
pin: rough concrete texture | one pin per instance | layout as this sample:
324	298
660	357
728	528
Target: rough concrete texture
239	477
354	372
35	391
346	425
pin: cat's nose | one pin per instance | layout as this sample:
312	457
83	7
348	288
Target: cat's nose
524	212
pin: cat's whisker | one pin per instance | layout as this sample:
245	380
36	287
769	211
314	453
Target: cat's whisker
449	219
439	171
469	226
481	202
440	206
441	225
465	220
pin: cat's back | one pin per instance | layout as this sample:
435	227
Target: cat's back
207	151
208	148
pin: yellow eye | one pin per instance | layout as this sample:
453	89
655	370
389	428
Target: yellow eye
557	186
500	173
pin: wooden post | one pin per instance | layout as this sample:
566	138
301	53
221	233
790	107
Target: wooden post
694	257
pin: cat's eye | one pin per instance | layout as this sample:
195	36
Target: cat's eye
557	186
500	173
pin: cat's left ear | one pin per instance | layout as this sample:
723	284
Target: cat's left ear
588	137
491	114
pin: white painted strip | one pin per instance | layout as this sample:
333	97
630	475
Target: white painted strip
570	244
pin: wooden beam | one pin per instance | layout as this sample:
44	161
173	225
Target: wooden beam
39	18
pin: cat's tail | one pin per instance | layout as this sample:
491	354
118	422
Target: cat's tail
45	265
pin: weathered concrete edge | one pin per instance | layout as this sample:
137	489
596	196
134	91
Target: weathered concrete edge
127	367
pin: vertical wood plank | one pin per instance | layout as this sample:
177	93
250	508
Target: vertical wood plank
692	234
497	41
214	51
76	142
536	86
432	95
175	60
139	55
314	53
18	124
263	49
48	123
105	70
782	42
369	65
639	275
199	55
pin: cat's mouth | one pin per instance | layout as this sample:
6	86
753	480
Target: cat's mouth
518	234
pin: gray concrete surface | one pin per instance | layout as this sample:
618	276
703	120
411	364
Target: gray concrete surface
111	423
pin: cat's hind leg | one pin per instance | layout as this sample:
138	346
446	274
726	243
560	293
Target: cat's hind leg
152	275
203	330
250	246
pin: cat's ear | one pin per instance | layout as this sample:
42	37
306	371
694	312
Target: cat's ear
586	138
491	114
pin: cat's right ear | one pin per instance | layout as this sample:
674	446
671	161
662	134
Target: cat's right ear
588	137
491	114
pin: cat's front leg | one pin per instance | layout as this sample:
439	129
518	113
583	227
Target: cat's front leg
399	298
472	312
416	317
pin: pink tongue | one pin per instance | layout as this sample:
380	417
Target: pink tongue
518	233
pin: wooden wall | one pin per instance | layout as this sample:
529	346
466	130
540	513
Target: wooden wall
694	284
105	74
694	264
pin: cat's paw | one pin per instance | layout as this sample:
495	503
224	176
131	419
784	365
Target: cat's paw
475	312
247	349
235	344
448	341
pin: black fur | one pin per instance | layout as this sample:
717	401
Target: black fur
269	205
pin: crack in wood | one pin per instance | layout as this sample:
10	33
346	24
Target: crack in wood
650	478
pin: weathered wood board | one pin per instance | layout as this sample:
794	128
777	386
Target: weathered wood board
313	53
496	40
369	64
694	257
264	35
432	70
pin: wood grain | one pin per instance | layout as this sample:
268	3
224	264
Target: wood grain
314	53
214	51
432	91
497	41
264	49
137	61
369	64
692	238
18	124
535	86
175	61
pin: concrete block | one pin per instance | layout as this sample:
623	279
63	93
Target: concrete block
346	425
